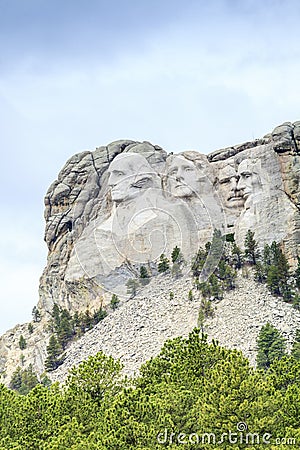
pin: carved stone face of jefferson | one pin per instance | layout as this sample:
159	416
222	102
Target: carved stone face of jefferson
182	177
129	175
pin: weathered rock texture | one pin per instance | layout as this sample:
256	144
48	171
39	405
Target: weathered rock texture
119	207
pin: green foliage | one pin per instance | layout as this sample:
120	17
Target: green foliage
176	253
23	381
54	354
251	247
144	276
30	328
270	346
190	295
36	315
164	264
22	342
171	295
114	303
205	311
66	327
237	256
198	262
295	352
192	386
297	273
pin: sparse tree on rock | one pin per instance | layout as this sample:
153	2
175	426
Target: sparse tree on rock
36	315
114	303
251	247
22	343
144	276
164	264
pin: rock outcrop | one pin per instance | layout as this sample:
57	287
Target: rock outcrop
123	205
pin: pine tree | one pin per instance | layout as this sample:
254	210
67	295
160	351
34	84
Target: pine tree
100	314
175	254
198	262
29	380
22	342
30	328
114	303
64	328
251	247
163	264
295	352
237	256
54	354
270	346
297	273
16	379
36	315
23	381
144	276
278	272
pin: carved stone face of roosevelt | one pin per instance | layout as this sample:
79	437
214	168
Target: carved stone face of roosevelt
182	177
249	178
228	188
129	175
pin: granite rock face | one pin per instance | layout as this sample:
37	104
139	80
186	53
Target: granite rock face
123	205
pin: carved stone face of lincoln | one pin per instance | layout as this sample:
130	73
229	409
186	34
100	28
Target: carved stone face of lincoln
228	188
249	178
129	175
182	177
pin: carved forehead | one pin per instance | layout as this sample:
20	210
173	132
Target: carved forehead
248	165
130	163
227	172
179	161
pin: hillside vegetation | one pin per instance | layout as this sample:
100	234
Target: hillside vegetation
193	395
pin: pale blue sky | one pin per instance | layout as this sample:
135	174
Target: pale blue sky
75	75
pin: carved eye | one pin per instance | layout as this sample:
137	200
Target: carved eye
173	172
188	169
224	181
119	173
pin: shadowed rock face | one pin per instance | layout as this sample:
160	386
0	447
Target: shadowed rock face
123	205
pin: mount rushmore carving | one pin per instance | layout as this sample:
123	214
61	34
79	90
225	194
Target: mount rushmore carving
125	204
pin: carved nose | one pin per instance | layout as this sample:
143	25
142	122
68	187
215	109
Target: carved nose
240	185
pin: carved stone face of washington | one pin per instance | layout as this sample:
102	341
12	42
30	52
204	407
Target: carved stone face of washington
129	175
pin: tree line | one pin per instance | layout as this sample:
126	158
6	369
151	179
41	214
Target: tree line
192	388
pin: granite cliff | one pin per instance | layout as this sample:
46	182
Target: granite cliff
123	205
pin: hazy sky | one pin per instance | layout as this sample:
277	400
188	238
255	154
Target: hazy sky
76	74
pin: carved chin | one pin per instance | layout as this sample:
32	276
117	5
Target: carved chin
182	191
